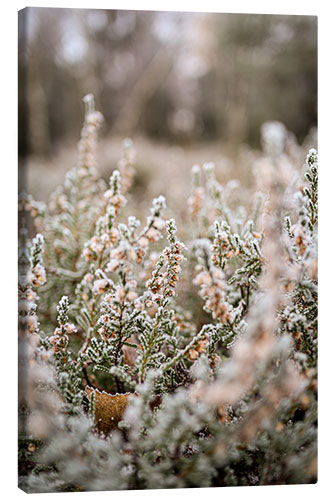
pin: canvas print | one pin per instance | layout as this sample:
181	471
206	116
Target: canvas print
168	210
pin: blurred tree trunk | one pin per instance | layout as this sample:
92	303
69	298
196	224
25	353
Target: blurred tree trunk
146	85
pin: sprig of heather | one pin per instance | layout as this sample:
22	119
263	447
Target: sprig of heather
68	368
70	217
31	276
126	164
197	199
115	251
106	234
212	285
163	286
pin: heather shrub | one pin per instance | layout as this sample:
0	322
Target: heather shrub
151	362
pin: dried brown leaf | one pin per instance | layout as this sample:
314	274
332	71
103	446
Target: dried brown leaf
109	408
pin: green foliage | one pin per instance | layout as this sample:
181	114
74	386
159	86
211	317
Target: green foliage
134	391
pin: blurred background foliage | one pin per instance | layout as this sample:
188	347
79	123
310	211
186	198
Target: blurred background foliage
187	87
176	77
